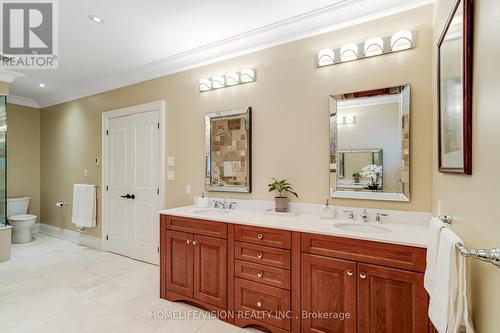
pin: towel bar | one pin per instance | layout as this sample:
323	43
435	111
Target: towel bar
488	255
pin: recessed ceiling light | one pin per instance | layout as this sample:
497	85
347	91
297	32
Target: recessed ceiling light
96	19
41	85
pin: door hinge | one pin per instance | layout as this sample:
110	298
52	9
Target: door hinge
158	249
158	125
107	237
107	188
107	132
158	191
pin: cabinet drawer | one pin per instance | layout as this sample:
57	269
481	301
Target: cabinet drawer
263	274
251	298
195	226
263	236
262	255
392	255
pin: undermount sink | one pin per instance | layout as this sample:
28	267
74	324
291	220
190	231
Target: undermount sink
367	228
211	211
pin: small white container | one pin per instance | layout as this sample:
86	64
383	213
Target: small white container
327	212
202	202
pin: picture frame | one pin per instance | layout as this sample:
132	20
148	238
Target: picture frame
455	49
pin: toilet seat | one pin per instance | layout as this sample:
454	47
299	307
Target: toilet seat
21	217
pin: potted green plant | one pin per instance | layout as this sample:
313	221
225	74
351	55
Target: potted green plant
281	186
356	176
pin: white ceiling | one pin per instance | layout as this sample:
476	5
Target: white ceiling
140	40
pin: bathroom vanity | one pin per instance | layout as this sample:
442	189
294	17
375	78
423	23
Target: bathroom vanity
306	276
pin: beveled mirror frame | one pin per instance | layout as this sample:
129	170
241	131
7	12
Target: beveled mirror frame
405	103
245	113
467	48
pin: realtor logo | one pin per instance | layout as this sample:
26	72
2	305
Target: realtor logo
29	39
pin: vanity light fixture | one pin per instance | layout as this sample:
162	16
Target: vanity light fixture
349	52
205	84
96	19
232	78
346	120
218	82
374	46
401	40
326	57
247	75
229	79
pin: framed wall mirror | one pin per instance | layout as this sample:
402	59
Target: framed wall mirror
455	91
370	144
228	150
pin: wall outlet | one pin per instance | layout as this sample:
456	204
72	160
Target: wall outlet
171	161
85	173
188	189
170	175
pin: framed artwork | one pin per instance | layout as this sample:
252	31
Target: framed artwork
455	91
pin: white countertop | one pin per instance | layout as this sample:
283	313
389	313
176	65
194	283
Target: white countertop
411	234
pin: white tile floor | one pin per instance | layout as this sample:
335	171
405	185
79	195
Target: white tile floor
51	285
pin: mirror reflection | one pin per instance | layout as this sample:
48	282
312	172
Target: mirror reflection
369	144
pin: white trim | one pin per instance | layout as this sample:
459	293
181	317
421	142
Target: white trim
71	236
299	27
153	106
24	101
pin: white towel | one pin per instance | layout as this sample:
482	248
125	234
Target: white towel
448	300
435	228
84	205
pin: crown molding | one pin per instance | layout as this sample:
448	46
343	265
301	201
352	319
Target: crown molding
24	101
299	27
9	76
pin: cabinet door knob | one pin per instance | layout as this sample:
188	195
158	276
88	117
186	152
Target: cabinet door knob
362	275
259	304
350	272
188	241
259	275
259	255
260	236
195	242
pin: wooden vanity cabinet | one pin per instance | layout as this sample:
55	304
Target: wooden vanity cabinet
195	266
361	286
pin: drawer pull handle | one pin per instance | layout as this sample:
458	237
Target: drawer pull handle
260	236
259	304
259	255
195	242
188	241
259	275
362	275
349	272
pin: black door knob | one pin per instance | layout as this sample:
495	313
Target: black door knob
127	196
132	196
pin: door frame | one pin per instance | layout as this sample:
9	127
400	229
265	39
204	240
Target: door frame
127	111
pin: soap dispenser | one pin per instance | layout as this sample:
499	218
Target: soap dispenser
327	211
202	201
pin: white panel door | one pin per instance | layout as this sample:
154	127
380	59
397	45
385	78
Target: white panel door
133	174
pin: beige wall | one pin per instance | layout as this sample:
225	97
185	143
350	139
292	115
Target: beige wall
474	200
4	88
290	118
23	154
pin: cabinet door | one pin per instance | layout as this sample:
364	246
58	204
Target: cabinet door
391	300
328	295
180	262
210	270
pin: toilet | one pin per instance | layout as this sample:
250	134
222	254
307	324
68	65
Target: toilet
21	222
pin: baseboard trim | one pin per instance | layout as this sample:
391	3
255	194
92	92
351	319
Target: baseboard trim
71	236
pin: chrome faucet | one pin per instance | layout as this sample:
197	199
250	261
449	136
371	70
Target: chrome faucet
364	215
224	204
378	217
350	214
